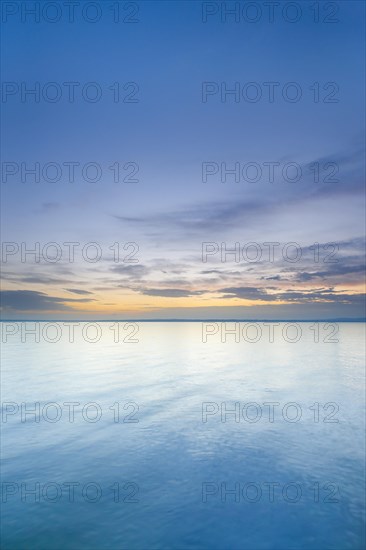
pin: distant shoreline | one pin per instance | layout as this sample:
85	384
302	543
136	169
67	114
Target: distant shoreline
340	320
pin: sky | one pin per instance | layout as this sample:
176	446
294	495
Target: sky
162	137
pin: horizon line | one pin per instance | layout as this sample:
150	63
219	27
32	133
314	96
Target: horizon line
333	320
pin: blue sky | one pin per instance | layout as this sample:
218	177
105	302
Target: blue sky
168	134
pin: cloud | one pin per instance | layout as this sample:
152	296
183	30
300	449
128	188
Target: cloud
301	296
272	278
29	300
35	279
78	291
336	270
131	271
248	293
202	217
171	292
345	166
220	216
168	266
223	274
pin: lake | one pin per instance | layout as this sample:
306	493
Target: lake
174	435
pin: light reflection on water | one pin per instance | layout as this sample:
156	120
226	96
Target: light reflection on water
177	461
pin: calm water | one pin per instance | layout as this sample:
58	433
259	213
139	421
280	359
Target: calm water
156	470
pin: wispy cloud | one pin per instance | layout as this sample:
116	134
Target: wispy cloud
316	295
78	291
171	292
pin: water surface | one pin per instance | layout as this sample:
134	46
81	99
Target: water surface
188	476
